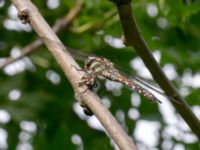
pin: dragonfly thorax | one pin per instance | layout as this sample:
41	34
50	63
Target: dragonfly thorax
98	64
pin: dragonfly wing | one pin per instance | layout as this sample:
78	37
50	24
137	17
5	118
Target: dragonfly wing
75	52
147	83
154	88
148	86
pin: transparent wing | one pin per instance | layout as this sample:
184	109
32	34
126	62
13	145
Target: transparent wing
75	52
145	84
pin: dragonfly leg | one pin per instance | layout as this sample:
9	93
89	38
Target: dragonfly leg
78	69
158	101
89	80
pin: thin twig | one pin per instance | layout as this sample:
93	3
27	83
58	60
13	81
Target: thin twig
58	26
95	26
25	52
68	64
133	37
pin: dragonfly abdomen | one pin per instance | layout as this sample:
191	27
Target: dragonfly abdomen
141	90
131	84
114	75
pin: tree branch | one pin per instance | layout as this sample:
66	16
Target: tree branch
66	63
58	26
133	37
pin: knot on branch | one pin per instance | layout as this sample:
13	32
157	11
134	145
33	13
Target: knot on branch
23	15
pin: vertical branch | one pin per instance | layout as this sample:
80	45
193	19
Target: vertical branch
68	65
133	37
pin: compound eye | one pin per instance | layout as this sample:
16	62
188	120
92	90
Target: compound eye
89	61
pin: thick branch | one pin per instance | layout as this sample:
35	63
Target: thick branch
133	37
67	64
58	26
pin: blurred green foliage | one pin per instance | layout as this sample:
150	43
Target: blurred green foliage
174	30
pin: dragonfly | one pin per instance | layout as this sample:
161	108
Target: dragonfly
99	67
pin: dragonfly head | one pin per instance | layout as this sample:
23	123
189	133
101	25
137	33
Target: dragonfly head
96	62
89	61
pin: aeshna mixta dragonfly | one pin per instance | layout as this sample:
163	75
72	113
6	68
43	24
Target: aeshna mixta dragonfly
98	67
